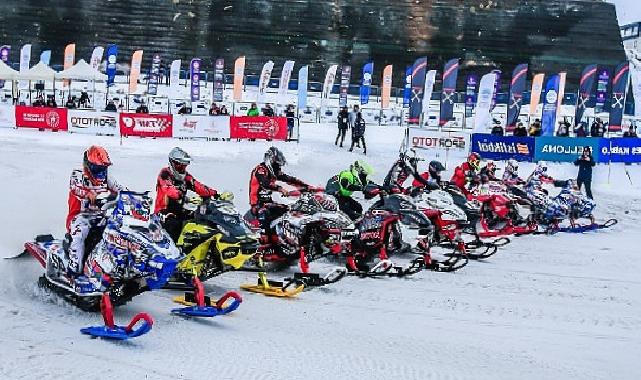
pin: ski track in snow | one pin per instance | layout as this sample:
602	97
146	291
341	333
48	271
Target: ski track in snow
554	307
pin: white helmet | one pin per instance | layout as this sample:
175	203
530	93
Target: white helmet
178	161
512	166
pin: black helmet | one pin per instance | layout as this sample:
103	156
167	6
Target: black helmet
436	166
274	159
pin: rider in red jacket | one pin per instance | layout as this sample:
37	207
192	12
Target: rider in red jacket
465	173
171	186
263	182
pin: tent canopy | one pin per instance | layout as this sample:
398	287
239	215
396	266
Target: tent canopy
38	72
81	71
6	72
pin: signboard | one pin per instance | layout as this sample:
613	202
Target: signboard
503	147
259	127
146	125
201	126
41	118
601	90
424	139
564	149
95	123
626	150
7	116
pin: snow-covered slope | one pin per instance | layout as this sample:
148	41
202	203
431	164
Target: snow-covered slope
557	307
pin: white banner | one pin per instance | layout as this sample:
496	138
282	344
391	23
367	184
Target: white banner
201	126
442	145
93	123
430	78
482	118
636	89
7	116
174	73
265	76
329	81
96	57
285	75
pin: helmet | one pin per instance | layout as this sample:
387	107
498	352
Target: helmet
436	167
512	166
274	159
178	161
95	162
361	170
541	168
474	160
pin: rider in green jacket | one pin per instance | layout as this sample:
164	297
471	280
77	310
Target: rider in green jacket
343	185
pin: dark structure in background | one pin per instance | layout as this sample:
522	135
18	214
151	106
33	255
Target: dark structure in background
550	35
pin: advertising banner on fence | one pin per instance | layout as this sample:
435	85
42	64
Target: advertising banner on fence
261	127
7	116
503	147
626	150
146	125
94	123
39	117
564	149
428	140
201	126
219	80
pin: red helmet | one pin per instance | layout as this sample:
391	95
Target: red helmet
95	162
474	160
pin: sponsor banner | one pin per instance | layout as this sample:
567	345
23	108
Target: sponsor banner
503	148
407	91
368	69
146	125
95	123
601	90
219	80
7	116
328	84
635	74
194	74
154	75
484	102
285	76
112	52
239	73
41	118
470	94
201	126
430	79
450	74
346	72
586	85
96	57
619	87
134	73
5	50
418	87
550	106
174	73
45	57
627	150
387	86
303	73
517	86
69	60
564	149
497	87
259	127
535	93
25	57
263	82
433	141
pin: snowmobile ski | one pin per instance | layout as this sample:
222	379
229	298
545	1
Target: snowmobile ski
578	228
312	280
199	305
114	332
284	289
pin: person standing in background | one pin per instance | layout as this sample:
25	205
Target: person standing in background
358	133
290	115
585	164
352	121
343	124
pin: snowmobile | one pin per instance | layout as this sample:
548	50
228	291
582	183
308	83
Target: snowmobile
380	235
312	227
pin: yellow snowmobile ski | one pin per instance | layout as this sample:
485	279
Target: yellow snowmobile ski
274	288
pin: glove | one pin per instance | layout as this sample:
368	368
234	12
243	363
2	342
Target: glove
226	196
195	200
284	192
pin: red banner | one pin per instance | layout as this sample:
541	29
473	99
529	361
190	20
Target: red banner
41	118
258	127
146	125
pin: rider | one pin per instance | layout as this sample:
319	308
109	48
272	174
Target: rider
342	186
263	182
404	167
489	171
171	186
84	214
433	172
511	173
467	173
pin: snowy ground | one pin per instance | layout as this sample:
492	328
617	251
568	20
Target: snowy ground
558	307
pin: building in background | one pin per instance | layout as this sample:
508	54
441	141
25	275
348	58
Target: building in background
631	37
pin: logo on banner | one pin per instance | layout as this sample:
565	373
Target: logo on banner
146	124
453	142
551	97
270	127
89	122
52	119
562	149
506	147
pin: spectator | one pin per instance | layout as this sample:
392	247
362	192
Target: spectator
84	99
290	115
358	132
596	130
580	130
70	103
585	164
343	124
51	102
142	108
351	120
39	102
535	128
564	129
253	110
497	130
268	110
111	106
631	132
184	110
214	110
520	130
121	107
223	111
